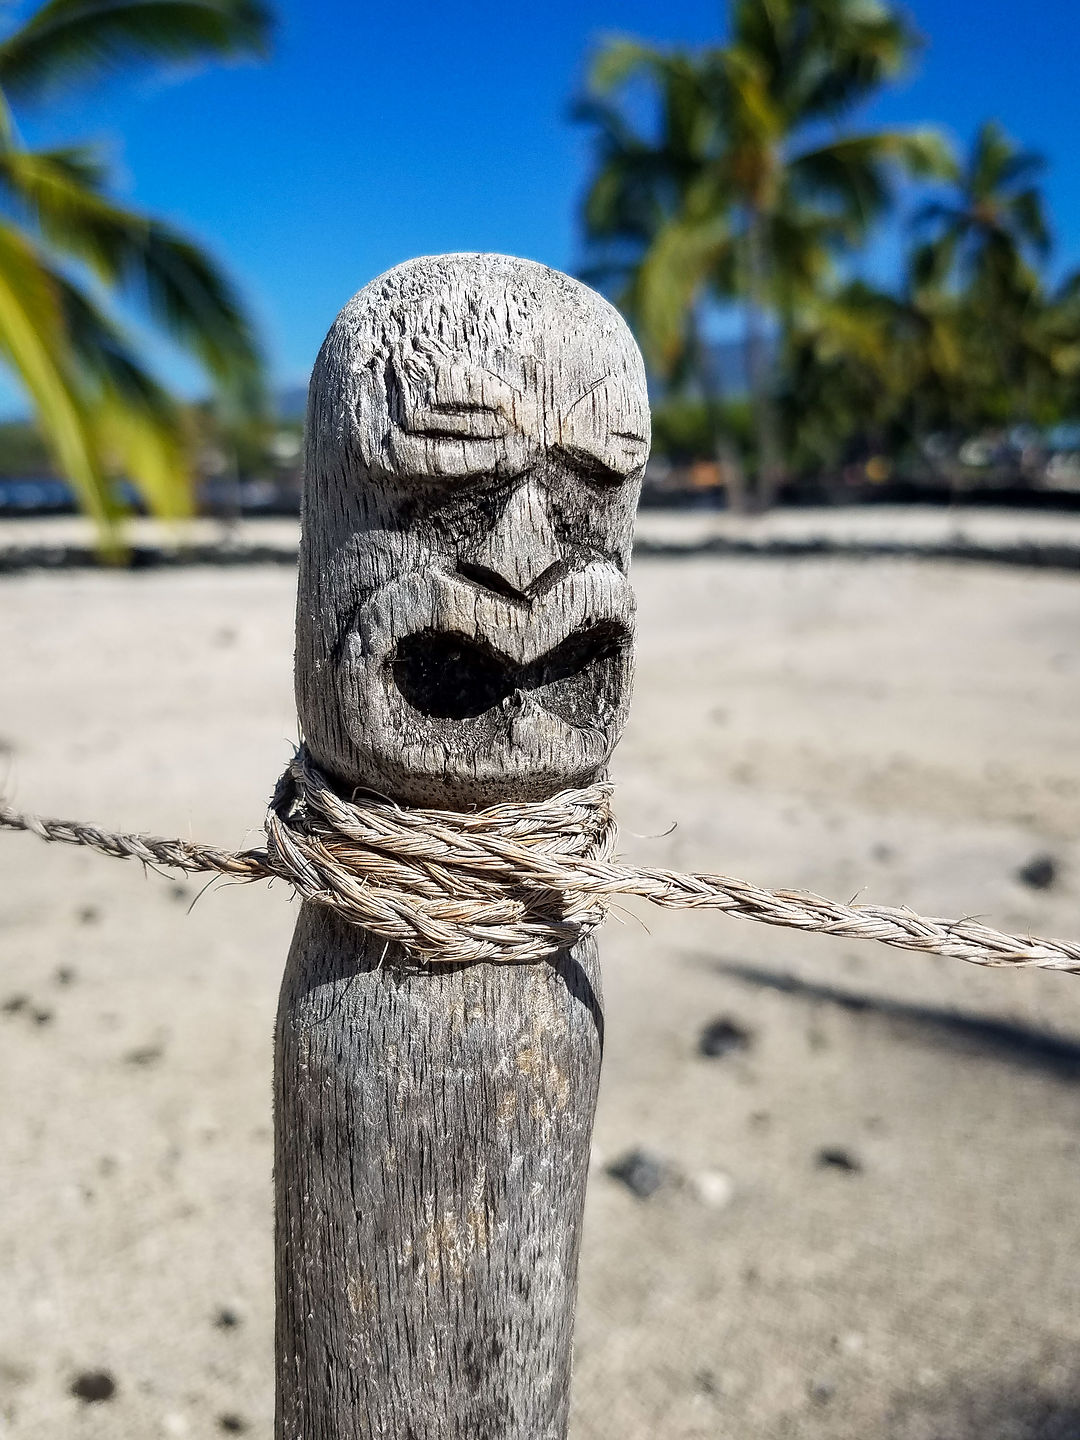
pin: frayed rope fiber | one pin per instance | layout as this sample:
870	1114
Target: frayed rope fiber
515	882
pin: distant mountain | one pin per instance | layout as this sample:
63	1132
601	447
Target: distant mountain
728	361
290	402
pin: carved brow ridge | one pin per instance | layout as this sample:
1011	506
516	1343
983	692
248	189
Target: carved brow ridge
419	422
574	453
591	463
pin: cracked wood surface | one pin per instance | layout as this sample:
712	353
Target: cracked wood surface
477	431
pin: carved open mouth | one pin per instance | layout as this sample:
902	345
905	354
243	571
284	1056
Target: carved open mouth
449	676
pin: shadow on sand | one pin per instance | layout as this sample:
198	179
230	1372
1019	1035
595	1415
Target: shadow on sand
959	1410
1000	1040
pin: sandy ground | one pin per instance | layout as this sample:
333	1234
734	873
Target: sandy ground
903	730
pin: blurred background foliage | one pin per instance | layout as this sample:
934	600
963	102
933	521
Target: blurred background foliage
70	254
733	200
736	177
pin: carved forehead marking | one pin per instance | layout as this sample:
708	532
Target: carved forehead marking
452	368
501	315
462	396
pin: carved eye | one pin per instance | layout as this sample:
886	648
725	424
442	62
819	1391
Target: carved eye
456	422
440	449
619	459
605	432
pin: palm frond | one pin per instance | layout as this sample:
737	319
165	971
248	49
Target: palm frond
685	256
152	454
140	427
825	56
855	173
179	285
995	224
931	263
75	41
622	58
993	159
1029	217
34	342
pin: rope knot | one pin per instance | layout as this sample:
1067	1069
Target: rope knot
451	887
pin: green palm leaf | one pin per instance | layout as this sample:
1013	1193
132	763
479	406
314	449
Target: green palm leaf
34	341
140	427
99	405
854	173
993	223
177	282
79	40
685	255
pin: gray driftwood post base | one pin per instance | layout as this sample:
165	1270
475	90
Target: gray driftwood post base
435	1132
477	432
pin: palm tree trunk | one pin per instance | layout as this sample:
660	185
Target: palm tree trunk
727	457
712	386
770	470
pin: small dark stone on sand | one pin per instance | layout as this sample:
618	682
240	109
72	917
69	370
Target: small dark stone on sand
88	915
64	975
1039	873
43	1017
833	1158
180	893
641	1173
233	1424
144	1055
226	1319
14	1003
723	1036
94	1386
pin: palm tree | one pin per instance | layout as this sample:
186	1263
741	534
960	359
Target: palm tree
970	339
991	232
746	188
987	242
657	231
866	370
99	405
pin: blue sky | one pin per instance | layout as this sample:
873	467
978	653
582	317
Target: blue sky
378	132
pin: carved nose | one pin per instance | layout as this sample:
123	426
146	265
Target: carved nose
521	545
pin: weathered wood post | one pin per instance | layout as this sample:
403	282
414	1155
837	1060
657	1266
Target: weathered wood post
477	431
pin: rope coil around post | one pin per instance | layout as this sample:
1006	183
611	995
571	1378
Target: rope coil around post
516	882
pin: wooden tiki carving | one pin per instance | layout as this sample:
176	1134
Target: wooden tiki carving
477	431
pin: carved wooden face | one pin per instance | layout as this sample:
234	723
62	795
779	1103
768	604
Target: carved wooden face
477	431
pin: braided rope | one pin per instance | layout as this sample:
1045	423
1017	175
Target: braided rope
511	883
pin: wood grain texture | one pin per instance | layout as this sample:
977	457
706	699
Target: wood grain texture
436	1156
477	431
